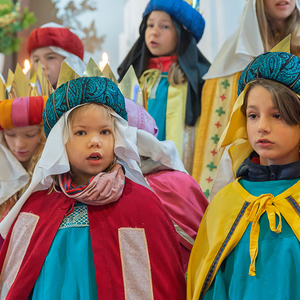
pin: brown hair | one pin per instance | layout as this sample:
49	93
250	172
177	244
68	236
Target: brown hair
271	36
8	204
285	100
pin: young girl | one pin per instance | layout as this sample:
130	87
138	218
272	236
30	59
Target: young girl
170	68
94	234
263	24
51	44
21	143
248	242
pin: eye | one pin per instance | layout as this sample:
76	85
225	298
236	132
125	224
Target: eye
51	57
105	132
252	116
10	134
165	26
276	116
30	135
80	133
150	25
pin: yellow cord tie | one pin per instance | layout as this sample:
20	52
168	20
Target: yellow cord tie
262	204
149	78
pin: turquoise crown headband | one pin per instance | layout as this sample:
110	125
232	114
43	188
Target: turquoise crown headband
282	67
79	91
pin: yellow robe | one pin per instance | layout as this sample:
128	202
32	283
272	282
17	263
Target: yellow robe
183	136
218	98
223	225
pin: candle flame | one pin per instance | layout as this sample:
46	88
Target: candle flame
26	66
104	61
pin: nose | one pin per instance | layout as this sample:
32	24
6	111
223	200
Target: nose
94	142
20	143
264	125
155	30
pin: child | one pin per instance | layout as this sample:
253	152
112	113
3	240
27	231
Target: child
247	245
262	25
51	44
21	143
179	193
93	234
170	68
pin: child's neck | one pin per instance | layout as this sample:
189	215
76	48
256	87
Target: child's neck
162	63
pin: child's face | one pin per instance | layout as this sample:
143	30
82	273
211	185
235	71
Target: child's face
91	147
278	11
161	36
23	141
50	61
275	142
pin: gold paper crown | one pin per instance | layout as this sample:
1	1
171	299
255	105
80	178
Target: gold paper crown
129	86
18	85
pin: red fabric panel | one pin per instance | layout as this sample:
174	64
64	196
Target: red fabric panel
36	106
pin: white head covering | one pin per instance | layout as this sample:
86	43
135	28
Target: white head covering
71	59
128	140
241	47
13	176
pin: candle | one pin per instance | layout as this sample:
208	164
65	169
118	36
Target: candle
104	61
26	66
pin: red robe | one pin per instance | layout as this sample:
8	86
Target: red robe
138	207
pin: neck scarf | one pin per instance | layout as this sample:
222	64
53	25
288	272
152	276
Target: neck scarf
101	189
162	63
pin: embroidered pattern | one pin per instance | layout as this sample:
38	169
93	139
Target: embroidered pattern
135	264
209	276
83	90
78	218
294	204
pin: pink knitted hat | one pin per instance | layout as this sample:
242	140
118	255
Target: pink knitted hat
140	118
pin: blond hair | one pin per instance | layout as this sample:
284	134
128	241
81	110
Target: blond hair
271	36
176	76
6	206
77	112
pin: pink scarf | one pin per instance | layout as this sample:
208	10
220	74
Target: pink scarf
101	189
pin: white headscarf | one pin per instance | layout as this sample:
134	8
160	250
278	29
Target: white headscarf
13	176
128	140
241	47
71	59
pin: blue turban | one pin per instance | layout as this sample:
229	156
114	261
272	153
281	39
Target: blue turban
82	90
277	66
182	12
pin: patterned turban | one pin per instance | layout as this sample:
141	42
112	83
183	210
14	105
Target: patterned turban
277	66
21	112
79	91
183	12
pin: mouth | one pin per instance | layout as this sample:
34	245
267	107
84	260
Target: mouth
21	153
282	3
153	44
264	142
94	156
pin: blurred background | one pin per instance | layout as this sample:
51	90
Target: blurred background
109	28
